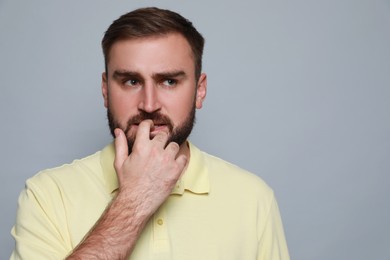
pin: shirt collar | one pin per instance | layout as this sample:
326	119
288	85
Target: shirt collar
107	157
195	178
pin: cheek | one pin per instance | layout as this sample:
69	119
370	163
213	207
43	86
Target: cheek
181	108
121	107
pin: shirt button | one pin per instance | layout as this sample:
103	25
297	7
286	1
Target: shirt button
160	221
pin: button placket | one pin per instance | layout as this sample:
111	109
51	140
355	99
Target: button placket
160	232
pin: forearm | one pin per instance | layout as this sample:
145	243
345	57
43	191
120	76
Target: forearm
115	234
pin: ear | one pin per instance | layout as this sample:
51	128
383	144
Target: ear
201	90
105	89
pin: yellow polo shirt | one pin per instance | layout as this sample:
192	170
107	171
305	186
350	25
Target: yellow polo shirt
216	211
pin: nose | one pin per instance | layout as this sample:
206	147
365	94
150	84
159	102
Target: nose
149	101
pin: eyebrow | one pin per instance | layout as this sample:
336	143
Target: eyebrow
119	74
170	74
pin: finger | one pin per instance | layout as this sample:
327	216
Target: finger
181	160
172	148
143	131
121	149
161	138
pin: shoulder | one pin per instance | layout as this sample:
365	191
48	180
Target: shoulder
233	187
65	175
236	180
228	170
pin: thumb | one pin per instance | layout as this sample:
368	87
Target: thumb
121	149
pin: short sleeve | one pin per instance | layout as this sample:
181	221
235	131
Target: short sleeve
272	242
37	232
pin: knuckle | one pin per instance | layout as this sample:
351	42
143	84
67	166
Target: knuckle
174	147
117	165
161	137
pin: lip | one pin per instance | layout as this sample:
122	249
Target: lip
154	130
158	128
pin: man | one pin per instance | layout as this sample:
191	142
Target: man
151	194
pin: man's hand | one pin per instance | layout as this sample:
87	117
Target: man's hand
146	178
151	171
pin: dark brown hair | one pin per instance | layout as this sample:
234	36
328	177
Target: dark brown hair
152	21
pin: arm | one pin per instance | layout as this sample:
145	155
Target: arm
146	178
272	244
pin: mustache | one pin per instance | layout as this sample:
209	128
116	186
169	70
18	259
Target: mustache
156	117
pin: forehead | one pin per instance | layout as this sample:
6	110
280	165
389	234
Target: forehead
171	51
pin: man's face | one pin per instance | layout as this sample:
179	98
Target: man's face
153	78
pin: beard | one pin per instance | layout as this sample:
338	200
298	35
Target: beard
178	134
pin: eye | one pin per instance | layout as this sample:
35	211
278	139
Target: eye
132	82
169	82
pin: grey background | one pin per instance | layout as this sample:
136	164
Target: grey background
299	93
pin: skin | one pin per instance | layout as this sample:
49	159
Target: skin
156	74
145	78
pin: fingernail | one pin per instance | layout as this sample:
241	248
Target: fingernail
117	132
